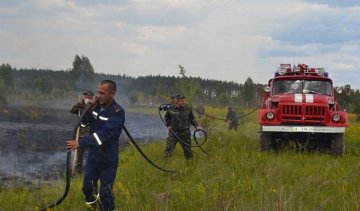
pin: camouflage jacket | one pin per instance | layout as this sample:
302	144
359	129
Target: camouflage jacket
180	118
80	106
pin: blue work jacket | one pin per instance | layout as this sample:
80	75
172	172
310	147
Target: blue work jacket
105	128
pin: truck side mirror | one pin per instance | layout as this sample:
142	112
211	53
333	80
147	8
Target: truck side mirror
267	89
339	90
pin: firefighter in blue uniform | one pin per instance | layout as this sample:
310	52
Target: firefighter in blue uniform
106	120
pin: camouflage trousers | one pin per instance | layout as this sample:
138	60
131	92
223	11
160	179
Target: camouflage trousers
185	136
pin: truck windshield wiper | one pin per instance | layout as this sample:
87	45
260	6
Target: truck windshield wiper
313	92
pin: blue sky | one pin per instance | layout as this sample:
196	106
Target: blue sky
216	39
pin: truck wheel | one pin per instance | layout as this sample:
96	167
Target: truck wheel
337	144
266	141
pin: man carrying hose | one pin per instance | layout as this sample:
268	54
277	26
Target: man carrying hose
106	119
178	119
84	130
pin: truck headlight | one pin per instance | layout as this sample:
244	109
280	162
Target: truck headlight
336	117
270	115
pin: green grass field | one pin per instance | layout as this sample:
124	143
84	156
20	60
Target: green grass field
234	176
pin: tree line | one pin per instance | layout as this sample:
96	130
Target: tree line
151	89
134	90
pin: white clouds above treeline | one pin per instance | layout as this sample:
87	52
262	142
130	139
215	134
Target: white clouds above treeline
216	39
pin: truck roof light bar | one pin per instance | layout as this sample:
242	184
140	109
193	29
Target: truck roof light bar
301	69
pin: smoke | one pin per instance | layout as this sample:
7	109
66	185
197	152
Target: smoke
31	165
32	141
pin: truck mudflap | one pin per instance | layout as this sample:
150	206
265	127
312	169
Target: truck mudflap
302	129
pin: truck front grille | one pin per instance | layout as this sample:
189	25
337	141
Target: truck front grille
302	113
315	110
292	109
316	113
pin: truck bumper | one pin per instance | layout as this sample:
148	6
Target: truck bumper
302	129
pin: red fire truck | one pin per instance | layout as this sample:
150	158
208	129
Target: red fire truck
301	105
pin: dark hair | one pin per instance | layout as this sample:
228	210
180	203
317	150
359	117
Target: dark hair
110	83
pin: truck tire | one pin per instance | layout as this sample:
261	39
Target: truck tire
337	144
266	141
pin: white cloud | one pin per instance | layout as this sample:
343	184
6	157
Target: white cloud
218	39
173	3
157	33
136	48
9	11
53	4
344	67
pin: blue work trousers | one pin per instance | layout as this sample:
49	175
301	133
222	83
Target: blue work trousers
106	173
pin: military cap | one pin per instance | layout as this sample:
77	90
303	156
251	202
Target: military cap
180	96
88	93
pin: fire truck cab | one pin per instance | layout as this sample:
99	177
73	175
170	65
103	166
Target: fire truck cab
300	105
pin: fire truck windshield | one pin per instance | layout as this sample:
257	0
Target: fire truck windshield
302	87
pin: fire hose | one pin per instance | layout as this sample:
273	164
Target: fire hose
143	154
68	164
68	160
196	133
223	119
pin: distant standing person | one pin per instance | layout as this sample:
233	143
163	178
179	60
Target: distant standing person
178	119
231	119
106	120
84	130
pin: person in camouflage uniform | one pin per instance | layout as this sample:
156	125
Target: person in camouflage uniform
231	118
84	130
178	119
